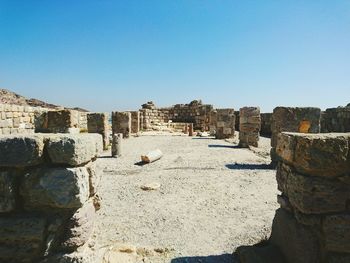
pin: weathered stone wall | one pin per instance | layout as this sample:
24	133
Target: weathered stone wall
135	121
237	121
249	126
225	123
336	120
266	121
121	123
98	123
16	119
48	187
288	119
313	175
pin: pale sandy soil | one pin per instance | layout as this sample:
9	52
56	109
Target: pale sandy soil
213	198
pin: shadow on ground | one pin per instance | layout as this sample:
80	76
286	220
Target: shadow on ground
245	166
223	146
203	138
225	258
141	163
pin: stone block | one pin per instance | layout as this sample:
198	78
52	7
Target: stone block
336	229
44	188
21	151
94	177
298	243
62	120
71	149
285	148
79	227
7	191
21	239
121	123
98	123
317	195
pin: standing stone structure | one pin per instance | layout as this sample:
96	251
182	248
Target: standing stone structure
117	145
313	174
225	123
288	119
249	126
135	121
63	121
266	121
98	123
336	120
48	186
121	123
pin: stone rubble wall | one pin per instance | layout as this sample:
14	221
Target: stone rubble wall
249	126
16	119
48	186
225	123
266	121
336	120
98	123
313	175
288	119
121	123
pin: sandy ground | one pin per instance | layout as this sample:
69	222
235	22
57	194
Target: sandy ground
213	197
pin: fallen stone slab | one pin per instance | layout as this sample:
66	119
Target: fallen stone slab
150	186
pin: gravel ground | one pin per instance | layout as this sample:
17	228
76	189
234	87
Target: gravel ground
213	197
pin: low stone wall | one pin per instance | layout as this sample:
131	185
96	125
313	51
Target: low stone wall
225	123
16	119
336	120
313	175
121	123
266	121
48	187
98	123
288	119
249	126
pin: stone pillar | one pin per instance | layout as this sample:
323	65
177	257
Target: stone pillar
48	186
313	223
225	123
190	129
186	128
121	123
98	123
135	121
288	119
117	145
63	121
249	126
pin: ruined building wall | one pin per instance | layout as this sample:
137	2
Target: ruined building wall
288	119
135	121
98	123
48	184
336	120
121	123
313	175
249	126
225	123
266	121
16	119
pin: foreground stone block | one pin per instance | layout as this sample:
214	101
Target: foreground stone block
337	233
21	151
7	191
296	242
72	149
43	188
21	238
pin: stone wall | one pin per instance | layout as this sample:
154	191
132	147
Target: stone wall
266	121
135	121
313	175
98	123
225	123
16	119
249	126
336	120
48	187
121	123
288	119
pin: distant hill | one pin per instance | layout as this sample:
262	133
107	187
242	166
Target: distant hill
9	97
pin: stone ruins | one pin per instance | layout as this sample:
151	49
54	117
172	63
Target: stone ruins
49	178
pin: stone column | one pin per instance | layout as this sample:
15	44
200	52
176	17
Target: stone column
190	129
117	145
225	123
121	123
249	126
98	123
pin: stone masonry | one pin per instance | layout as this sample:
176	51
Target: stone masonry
225	123
121	123
249	126
266	121
336	120
98	123
135	121
313	175
48	186
287	119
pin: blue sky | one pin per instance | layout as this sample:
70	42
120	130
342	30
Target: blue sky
115	55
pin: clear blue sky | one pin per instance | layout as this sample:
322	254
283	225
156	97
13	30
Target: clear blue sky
107	55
